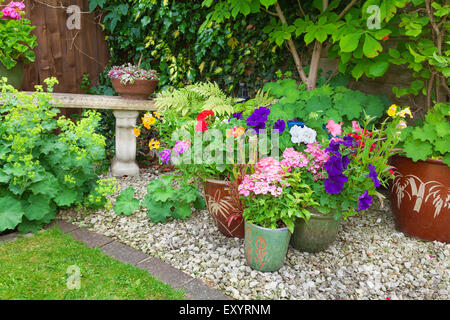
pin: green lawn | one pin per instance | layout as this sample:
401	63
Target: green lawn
36	268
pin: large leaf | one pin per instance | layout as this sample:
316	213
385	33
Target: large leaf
350	42
157	211
11	213
372	47
38	207
126	203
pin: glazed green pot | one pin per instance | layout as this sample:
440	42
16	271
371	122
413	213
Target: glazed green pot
14	75
265	249
315	235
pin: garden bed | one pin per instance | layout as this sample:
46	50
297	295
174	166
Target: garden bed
369	259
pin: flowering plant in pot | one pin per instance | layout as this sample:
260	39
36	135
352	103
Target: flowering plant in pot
420	191
273	197
344	173
16	41
132	81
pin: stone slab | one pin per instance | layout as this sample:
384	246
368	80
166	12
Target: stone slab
124	253
91	239
9	237
65	227
195	289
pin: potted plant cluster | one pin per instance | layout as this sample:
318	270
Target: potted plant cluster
16	41
133	82
202	110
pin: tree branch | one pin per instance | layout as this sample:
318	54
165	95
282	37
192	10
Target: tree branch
348	7
292	49
300	8
269	12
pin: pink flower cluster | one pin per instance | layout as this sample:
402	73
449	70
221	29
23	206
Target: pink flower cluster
267	179
319	157
13	10
294	159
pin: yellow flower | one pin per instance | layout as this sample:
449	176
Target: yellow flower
392	110
405	112
136	132
157	115
153	144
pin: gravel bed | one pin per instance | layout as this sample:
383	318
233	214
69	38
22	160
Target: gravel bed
368	260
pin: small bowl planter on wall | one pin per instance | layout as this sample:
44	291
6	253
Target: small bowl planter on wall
265	249
420	198
220	206
133	82
141	89
315	235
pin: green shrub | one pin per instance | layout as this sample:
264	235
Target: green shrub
41	171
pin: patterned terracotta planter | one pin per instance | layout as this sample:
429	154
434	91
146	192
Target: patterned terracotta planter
315	235
265	249
139	90
220	206
420	198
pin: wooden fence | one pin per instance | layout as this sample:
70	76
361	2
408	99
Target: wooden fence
64	53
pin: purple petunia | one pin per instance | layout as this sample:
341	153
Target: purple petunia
364	201
335	184
373	175
334	166
164	155
258	118
280	125
348	141
345	162
237	115
333	147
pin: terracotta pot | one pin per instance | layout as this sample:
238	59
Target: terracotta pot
139	90
265	249
220	206
420	198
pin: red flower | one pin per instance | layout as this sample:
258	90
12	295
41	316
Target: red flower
205	114
202	125
385	38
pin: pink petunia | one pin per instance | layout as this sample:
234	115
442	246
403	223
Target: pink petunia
334	128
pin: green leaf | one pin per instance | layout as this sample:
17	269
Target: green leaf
126	203
268	3
349	42
157	211
378	69
372	47
182	211
66	197
418	150
11	213
38	207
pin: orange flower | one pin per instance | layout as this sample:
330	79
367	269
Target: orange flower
136	132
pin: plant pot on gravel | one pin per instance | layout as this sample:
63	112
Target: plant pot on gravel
420	191
221	206
315	235
420	198
265	249
133	82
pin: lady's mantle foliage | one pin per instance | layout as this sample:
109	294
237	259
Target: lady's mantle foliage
41	171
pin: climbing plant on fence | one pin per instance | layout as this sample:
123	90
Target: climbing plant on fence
179	42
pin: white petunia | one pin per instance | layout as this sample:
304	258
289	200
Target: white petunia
302	135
